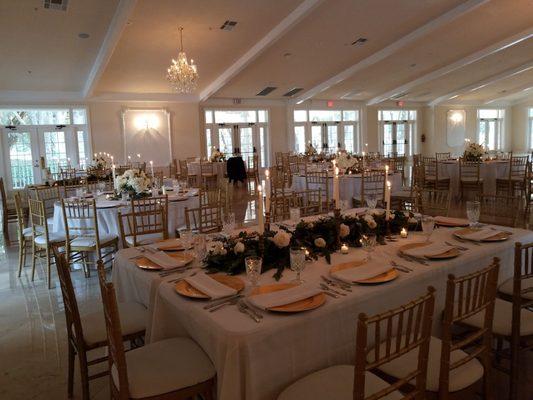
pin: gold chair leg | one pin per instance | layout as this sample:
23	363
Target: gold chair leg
48	267
22	245
33	260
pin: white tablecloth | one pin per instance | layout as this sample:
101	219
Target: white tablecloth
257	361
349	185
219	168
108	216
489	171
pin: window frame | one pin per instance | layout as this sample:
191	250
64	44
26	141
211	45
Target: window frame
412	123
499	126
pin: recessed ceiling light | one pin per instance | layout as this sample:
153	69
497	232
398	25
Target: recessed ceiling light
83	35
228	25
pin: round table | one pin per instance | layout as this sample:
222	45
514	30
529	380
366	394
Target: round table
489	171
219	168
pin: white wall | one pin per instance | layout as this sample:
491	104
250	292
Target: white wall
520	128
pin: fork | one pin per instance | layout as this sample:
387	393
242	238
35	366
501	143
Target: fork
340	285
245	310
400	267
412	259
326	287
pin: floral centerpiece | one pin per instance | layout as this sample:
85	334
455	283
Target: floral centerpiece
474	152
310	150
133	182
217	156
98	169
347	163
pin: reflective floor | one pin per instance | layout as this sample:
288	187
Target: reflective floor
33	337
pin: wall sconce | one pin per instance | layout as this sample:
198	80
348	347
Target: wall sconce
456	117
455	127
146	122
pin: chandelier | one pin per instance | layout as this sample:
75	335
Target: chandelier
182	76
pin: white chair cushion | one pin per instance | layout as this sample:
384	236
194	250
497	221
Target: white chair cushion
165	366
53	237
27	232
507	288
87	241
133	317
145	239
460	378
334	383
503	315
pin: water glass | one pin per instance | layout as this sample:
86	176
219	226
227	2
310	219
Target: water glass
100	188
371	201
253	269
368	242
186	237
200	246
175	186
472	212
228	223
428	224
295	215
297	255
344	205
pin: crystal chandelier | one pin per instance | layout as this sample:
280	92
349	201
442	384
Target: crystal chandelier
182	76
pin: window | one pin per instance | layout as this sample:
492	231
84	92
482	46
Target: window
397	132
57	135
530	128
490	128
242	130
327	130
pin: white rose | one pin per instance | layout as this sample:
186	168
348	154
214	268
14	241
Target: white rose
311	225
239	248
370	221
281	239
392	215
218	248
376	211
319	242
344	230
372	224
412	221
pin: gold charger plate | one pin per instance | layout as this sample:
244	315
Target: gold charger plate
388	276
170	245
145	263
187	290
453	252
302	305
498	236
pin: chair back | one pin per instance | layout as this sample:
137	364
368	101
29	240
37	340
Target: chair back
518	167
279	180
404	329
469	170
431	171
117	355
443	156
252	169
521	298
184	169
372	184
320	180
465	296
67	175
204	219
20	216
49	195
147	216
38	219
500	210
310	202
279	159
70	190
206	168
80	220
434	202
210	197
280	205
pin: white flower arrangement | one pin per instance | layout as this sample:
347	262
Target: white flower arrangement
217	156
344	230
345	161
132	180
320	243
310	150
239	248
282	239
474	152
369	219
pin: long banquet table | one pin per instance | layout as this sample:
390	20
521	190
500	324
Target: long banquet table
255	361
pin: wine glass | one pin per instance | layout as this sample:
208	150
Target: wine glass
186	237
228	223
200	246
297	256
428	224
472	212
371	201
368	241
295	214
253	269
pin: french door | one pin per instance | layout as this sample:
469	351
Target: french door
396	137
244	138
325	136
489	133
21	156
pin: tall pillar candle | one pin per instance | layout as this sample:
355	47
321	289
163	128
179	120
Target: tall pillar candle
114	176
336	194
387	198
260	216
267	190
152	168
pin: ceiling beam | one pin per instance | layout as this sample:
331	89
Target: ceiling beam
27	96
278	31
392	48
517	94
114	31
483	83
478	55
145	97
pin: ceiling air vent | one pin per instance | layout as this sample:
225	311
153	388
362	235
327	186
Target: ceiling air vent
359	42
60	5
293	91
228	25
266	91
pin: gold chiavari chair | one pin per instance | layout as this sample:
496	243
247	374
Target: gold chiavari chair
49	195
208	177
320	180
24	234
252	170
43	241
456	365
204	219
9	214
406	199
87	332
71	190
432	178
434	202
374	155
529	191
310	202
279	159
499	210
83	236
518	331
470	180
120	169
280	205
515	183
210	197
406	329
191	374
184	175
279	182
443	156
397	164
145	223
372	184
226	195
68	176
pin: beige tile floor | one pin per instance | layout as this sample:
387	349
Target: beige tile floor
33	337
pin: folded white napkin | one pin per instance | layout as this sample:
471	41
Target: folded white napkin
283	297
163	260
207	285
107	203
479	235
451	221
430	250
361	272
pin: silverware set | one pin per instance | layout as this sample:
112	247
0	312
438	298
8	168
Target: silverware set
219	303
466	241
328	289
337	283
242	306
413	259
401	267
246	309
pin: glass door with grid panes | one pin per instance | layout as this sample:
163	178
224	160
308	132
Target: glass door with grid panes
21	155
397	132
490	128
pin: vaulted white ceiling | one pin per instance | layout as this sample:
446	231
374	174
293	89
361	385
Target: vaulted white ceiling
431	51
